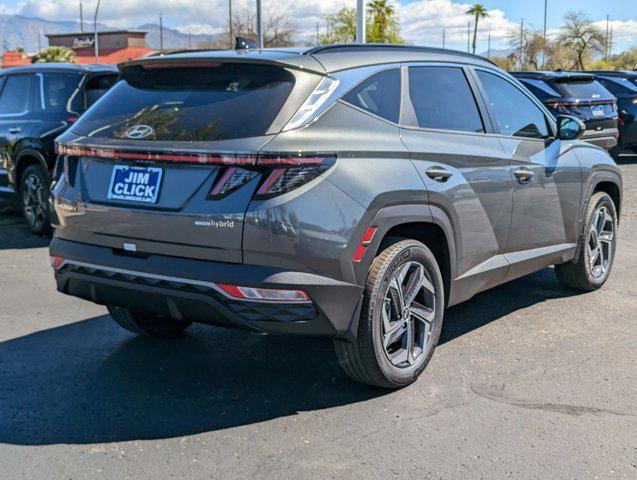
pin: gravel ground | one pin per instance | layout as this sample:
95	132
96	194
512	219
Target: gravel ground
530	381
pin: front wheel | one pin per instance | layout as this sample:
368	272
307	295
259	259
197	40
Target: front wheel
597	247
401	318
147	324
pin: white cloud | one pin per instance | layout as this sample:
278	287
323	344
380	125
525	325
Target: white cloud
422	21
200	29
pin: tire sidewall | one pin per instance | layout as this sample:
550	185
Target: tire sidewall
407	251
596	203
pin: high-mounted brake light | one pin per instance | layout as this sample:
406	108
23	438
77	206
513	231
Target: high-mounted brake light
316	100
264	294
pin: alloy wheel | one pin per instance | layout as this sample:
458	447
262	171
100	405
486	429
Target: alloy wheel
34	201
408	313
600	243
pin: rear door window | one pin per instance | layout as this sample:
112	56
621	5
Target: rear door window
14	99
442	99
516	114
379	94
218	102
60	92
97	86
618	86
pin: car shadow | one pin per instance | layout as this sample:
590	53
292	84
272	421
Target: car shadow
15	233
91	382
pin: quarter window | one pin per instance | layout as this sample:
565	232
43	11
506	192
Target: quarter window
514	112
442	99
379	94
15	95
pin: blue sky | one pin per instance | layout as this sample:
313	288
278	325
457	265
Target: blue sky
422	21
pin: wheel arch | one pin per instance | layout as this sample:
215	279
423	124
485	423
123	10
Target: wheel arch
427	224
25	159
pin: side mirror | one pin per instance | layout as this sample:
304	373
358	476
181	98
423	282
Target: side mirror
569	128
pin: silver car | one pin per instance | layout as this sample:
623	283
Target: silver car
348	191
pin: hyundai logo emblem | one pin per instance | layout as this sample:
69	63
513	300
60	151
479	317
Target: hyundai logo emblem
139	131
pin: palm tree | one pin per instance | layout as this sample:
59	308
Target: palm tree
384	22
478	11
55	54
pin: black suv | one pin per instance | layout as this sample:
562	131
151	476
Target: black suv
579	95
37	103
623	84
350	192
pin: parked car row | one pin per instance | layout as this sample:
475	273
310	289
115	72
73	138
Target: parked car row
38	103
350	191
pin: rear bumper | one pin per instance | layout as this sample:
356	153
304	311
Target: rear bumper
186	289
606	138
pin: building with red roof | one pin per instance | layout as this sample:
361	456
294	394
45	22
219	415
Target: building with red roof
114	46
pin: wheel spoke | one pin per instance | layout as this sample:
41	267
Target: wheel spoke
594	256
409	342
395	333
423	314
414	284
396	286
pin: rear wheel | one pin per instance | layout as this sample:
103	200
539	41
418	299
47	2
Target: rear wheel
401	318
34	196
597	247
147	324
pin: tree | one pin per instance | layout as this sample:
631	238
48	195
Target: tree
534	49
580	34
55	54
341	27
382	24
278	30
478	11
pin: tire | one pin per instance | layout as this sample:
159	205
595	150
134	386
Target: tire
34	199
587	272
147	324
371	360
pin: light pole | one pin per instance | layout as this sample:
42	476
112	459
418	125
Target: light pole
97	45
230	45
259	26
161	32
360	21
544	46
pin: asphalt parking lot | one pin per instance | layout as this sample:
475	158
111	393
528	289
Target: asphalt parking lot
530	381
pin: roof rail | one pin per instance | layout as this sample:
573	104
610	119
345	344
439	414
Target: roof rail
390	46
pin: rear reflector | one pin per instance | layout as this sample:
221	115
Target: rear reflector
362	247
56	262
264	294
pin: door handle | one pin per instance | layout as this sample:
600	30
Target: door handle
439	174
15	130
523	175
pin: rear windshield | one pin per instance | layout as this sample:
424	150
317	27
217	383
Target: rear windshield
592	90
223	101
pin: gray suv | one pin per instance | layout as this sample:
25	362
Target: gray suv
351	192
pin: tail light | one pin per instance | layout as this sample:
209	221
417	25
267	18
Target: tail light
280	173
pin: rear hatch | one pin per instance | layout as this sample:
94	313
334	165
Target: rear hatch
166	162
584	97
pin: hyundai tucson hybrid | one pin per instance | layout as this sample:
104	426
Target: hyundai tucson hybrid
623	84
579	95
37	103
349	192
